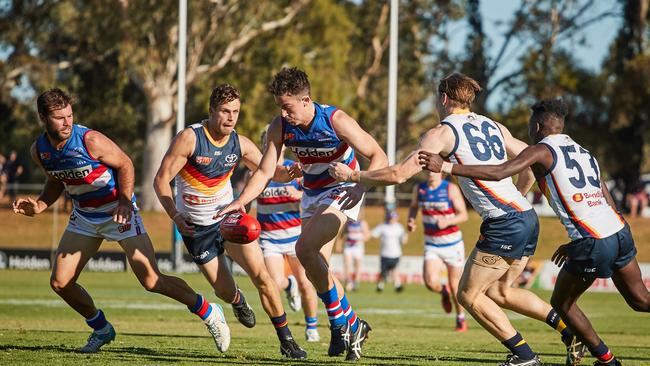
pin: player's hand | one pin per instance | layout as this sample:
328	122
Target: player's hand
233	206
184	227
560	256
350	196
340	172
294	171
443	223
122	213
28	206
294	193
410	225
430	161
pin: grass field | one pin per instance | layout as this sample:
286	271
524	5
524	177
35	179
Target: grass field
37	232
37	328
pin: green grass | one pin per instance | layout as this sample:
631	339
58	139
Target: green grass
36	327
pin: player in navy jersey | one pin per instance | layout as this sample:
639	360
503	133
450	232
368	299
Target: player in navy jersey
601	242
99	177
508	234
318	134
443	207
202	158
278	211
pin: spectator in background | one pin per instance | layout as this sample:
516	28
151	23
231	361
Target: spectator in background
392	236
12	170
356	234
636	200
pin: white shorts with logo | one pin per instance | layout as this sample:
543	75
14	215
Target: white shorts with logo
357	251
452	255
329	197
108	230
269	249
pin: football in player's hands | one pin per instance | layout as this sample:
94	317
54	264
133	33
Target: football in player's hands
240	228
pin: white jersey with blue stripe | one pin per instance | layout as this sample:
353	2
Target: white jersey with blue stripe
479	141
573	189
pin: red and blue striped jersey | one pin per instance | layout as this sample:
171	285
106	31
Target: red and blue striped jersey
354	234
435	203
316	148
279	212
91	184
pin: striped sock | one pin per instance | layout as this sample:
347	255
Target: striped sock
97	322
201	308
518	346
333	307
350	315
311	321
239	299
553	319
281	326
602	353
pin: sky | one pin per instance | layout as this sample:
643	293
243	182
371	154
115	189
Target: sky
598	36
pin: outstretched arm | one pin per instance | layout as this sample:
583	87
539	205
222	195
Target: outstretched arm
514	147
50	193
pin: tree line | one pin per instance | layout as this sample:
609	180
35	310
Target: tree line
119	60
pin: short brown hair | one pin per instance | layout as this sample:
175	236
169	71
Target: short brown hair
51	100
222	94
459	88
290	81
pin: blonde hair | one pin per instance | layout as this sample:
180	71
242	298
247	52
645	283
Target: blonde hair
460	89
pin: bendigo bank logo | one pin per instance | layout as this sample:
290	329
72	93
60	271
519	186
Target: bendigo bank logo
578	197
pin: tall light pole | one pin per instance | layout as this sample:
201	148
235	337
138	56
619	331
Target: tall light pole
392	96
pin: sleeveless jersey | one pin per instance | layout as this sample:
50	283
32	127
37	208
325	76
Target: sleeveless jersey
435	203
203	184
572	187
279	213
353	234
91	184
479	142
317	148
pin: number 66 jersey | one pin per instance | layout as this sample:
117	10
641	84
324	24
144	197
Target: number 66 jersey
572	187
479	142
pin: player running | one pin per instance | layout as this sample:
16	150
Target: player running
99	178
601	242
443	208
510	227
202	158
278	211
318	134
356	233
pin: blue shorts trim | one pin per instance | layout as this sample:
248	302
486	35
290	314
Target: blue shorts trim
513	235
591	258
206	244
443	245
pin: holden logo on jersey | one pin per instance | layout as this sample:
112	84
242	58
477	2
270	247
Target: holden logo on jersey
578	197
203	160
75	173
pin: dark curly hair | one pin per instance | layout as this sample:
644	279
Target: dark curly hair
555	108
222	94
290	81
51	100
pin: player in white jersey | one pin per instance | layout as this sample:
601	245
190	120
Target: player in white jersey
510	227
601	243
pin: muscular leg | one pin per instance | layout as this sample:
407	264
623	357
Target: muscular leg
431	272
307	291
629	283
74	251
217	273
568	288
249	257
356	262
275	266
453	276
516	299
140	254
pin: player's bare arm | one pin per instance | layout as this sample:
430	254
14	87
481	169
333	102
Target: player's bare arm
413	210
50	193
264	171
108	153
436	140
529	156
252	156
174	160
457	200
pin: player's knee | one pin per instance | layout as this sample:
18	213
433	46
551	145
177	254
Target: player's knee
641	304
465	299
560	305
59	285
304	253
498	295
432	285
153	283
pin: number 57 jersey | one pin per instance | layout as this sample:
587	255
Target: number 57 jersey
479	142
572	187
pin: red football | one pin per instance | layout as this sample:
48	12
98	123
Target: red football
240	228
